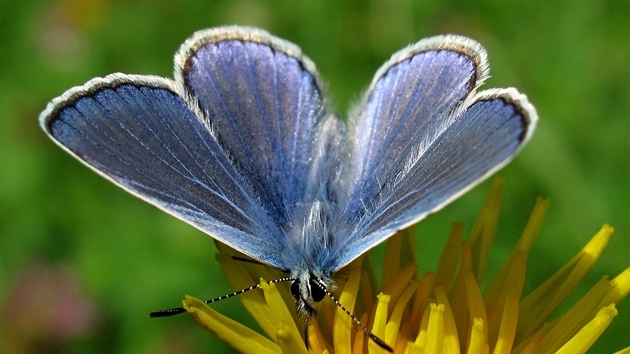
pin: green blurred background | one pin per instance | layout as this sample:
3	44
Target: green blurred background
72	242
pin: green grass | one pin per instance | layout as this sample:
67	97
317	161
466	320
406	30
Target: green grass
571	59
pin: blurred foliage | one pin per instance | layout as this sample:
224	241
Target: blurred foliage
571	58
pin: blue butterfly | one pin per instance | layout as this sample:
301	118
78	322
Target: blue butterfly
243	146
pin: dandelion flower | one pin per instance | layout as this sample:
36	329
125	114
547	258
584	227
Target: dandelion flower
444	311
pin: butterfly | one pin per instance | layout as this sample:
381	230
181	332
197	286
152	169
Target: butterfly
243	145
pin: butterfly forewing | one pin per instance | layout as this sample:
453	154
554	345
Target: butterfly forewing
409	104
137	132
428	138
263	99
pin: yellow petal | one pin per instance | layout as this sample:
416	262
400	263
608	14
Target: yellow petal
467	302
478	343
484	230
410	348
254	301
421	339
233	333
503	314
534	223
369	283
435	330
399	283
393	325
585	338
450	257
450	337
316	341
476	308
420	301
359	338
543	301
342	327
408	252
493	290
509	321
286	332
288	341
620	287
400	251
380	321
391	261
553	335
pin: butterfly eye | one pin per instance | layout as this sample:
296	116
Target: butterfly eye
317	292
295	289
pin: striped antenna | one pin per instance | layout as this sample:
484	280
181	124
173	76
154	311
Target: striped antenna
369	333
376	339
178	310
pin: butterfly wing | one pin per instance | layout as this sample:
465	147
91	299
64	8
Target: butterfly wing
264	98
423	137
217	162
139	133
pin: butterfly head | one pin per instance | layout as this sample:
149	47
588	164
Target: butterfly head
308	289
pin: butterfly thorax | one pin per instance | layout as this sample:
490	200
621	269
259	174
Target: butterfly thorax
311	245
313	238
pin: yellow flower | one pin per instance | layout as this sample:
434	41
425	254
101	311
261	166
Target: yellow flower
441	312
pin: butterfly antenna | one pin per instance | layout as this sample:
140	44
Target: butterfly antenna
178	310
369	333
